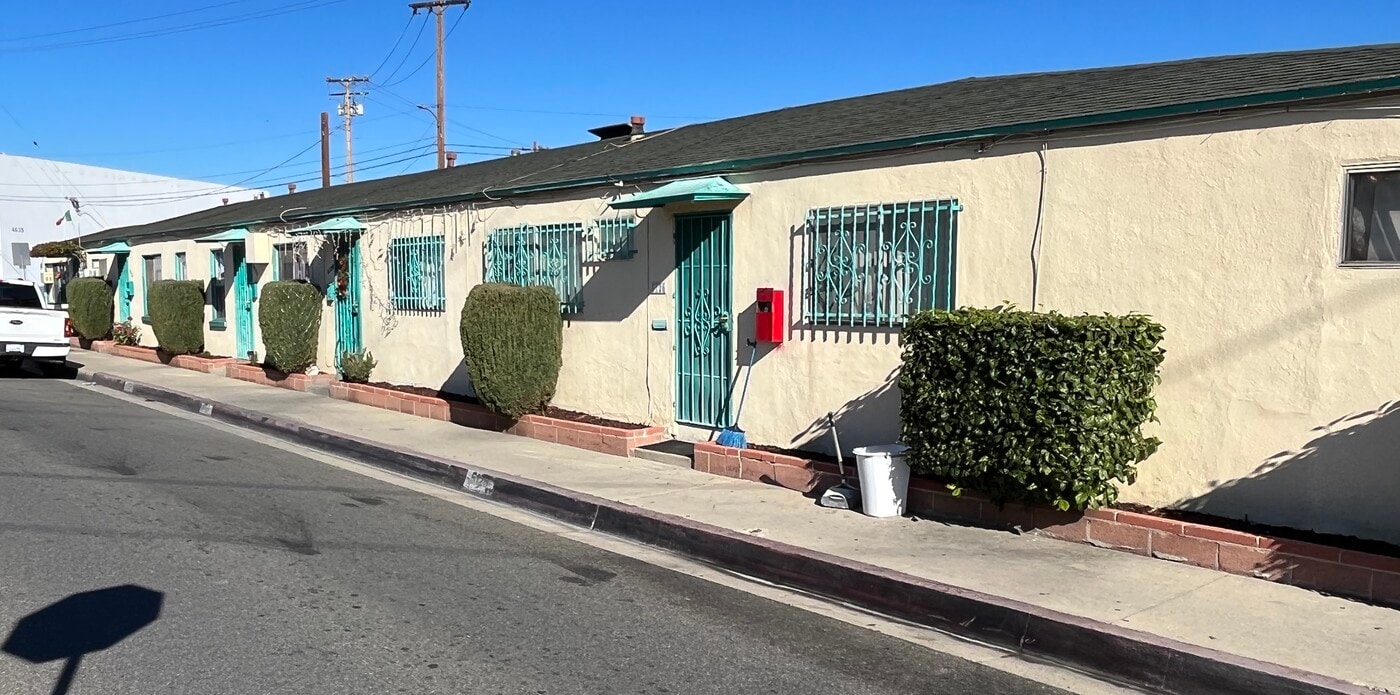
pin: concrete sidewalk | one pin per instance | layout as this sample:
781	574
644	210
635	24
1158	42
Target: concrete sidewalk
1113	593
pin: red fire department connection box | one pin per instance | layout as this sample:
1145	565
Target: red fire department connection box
768	314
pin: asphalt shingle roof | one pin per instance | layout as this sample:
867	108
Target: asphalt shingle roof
979	106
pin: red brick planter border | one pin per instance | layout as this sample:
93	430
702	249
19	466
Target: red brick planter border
134	352
267	376
1374	578
606	440
102	346
207	365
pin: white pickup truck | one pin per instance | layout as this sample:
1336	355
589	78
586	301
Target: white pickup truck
29	331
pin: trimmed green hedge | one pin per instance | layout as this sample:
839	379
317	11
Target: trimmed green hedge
290	317
1031	407
90	306
177	315
513	343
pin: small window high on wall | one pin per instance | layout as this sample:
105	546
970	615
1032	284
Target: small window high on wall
1372	217
289	261
877	264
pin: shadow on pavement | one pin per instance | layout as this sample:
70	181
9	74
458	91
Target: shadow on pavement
82	624
28	370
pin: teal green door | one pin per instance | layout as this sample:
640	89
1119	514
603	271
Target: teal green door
348	337
243	295
126	289
704	290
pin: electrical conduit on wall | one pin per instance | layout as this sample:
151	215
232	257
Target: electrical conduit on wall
1037	237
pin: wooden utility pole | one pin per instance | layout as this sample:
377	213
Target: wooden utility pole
437	7
349	108
325	150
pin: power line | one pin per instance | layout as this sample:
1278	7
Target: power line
425	60
390	54
410	158
198	148
405	100
487	150
172	196
235	19
580	113
95	27
418	37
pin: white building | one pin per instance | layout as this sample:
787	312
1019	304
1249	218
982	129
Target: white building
43	200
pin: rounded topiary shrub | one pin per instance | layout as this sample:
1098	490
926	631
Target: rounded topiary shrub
90	302
290	317
513	342
177	315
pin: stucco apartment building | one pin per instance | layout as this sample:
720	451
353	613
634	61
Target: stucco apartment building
1248	203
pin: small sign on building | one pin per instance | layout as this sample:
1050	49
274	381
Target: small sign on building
19	254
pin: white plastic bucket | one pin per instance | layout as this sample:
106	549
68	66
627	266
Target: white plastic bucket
884	479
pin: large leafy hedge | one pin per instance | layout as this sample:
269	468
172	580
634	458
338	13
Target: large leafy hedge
290	317
1035	407
513	342
90	304
177	315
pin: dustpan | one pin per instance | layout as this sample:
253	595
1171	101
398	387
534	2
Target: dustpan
842	495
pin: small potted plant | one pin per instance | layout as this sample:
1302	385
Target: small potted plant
356	367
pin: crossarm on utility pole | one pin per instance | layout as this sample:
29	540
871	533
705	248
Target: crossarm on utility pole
437	7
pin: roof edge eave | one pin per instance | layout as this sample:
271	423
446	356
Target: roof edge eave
732	165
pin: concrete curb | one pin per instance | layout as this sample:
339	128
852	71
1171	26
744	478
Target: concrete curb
1138	659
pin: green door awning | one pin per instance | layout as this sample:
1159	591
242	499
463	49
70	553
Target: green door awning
232	236
713	188
335	225
112	247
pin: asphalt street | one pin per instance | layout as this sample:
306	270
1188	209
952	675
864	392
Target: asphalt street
219	564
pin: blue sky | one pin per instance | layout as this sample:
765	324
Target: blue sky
226	90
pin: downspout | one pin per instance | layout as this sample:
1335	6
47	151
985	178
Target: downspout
1036	238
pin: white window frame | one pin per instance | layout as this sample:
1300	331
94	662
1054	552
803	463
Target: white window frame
1344	215
299	251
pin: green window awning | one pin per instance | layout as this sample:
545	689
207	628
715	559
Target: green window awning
232	236
335	225
713	188
112	247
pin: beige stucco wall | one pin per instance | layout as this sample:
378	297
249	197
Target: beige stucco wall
217	342
1227	232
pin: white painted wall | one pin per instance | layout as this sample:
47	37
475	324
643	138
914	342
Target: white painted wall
34	194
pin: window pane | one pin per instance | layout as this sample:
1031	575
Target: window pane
549	255
1372	218
19	297
876	264
416	273
216	284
